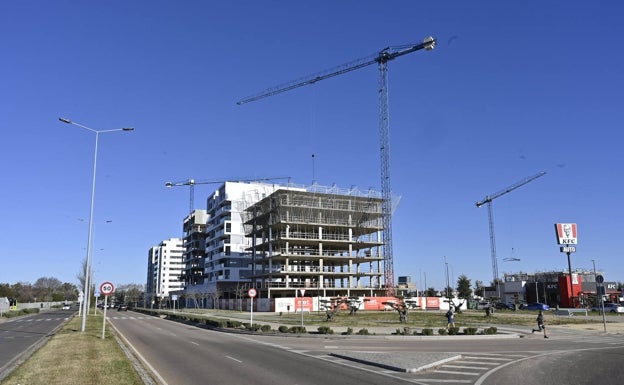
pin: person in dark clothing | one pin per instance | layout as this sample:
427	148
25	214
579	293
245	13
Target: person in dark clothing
540	324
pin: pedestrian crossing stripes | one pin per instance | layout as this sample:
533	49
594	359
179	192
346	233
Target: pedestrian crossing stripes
31	320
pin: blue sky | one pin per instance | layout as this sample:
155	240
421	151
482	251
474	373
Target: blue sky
512	88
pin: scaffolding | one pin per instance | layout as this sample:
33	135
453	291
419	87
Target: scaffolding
326	239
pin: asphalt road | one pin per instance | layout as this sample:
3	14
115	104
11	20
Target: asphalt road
19	337
182	354
186	354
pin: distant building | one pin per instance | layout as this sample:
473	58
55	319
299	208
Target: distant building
194	227
406	287
555	288
164	270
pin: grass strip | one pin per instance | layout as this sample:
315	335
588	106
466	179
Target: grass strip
72	357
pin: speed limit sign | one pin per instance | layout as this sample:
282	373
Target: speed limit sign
107	288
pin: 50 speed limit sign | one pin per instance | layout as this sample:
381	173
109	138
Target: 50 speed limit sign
107	288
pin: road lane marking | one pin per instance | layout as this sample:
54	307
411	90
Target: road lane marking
475	367
234	359
454	372
194	343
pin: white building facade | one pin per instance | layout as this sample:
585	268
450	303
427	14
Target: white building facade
165	269
227	261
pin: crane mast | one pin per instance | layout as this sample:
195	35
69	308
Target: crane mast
381	59
488	200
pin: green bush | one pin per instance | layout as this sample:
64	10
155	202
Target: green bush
490	330
427	332
216	323
297	329
325	330
470	331
265	328
442	332
283	329
348	332
363	332
248	326
453	331
236	324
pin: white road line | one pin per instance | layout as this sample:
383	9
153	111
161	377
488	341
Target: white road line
475	367
487	358
234	359
443	381
477	362
194	343
454	372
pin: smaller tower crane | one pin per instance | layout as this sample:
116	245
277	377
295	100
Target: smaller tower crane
488	200
192	182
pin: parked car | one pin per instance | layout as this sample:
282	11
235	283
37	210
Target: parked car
66	306
609	308
122	307
536	306
505	306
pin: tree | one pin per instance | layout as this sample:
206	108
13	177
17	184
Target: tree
129	293
24	292
82	274
479	288
46	287
215	295
431	292
6	290
463	287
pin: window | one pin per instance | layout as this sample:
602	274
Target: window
228	227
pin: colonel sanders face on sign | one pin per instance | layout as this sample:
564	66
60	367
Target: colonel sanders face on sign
567	230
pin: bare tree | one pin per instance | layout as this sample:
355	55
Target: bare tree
45	287
82	274
215	297
241	290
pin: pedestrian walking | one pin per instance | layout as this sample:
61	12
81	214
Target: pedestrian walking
540	324
450	318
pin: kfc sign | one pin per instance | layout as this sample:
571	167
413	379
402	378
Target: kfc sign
567	233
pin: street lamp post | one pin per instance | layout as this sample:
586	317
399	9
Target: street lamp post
87	286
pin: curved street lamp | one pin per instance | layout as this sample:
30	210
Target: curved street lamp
87	285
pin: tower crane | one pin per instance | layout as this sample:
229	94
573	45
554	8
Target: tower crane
381	59
488	200
192	182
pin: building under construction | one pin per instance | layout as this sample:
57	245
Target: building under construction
325	240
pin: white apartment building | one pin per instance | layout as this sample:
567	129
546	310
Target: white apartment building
164	271
227	260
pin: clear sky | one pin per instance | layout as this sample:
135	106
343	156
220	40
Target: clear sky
512	88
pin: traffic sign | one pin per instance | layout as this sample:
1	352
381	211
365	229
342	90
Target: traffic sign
599	278
252	292
107	288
